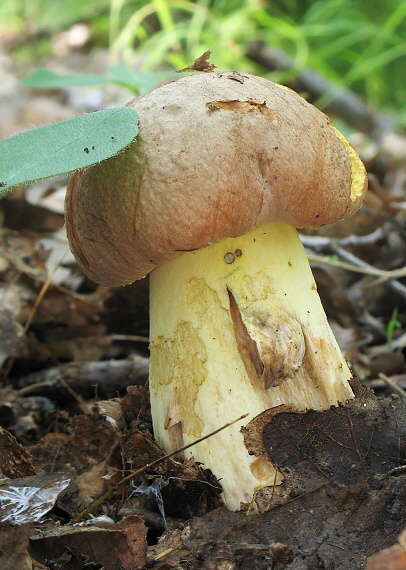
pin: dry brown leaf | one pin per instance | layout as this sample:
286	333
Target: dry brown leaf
14	545
112	545
356	443
200	64
393	558
15	461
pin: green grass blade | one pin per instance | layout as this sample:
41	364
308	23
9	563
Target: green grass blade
66	146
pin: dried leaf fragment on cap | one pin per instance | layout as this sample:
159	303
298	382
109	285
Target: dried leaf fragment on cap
200	64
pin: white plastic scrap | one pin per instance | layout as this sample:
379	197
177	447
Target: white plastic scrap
30	498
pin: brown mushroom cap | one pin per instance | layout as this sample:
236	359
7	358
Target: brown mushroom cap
217	155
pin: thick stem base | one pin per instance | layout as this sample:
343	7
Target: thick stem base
238	327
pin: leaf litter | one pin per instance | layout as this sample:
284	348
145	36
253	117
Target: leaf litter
74	408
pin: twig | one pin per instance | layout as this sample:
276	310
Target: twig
7	369
355	263
380	383
348	266
101	499
334	99
393	284
129	337
368	270
395	387
319	242
109	378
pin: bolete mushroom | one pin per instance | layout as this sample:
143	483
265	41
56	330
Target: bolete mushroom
208	198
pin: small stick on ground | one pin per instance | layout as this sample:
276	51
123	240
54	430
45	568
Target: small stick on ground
101	499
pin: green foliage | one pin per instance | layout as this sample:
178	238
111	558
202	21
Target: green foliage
390	328
358	44
136	81
39	17
66	146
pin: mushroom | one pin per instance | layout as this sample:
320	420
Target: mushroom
207	200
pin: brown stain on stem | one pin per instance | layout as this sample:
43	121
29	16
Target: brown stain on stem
247	347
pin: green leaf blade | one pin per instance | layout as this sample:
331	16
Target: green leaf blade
66	146
136	81
45	79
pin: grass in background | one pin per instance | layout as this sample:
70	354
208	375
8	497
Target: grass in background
358	44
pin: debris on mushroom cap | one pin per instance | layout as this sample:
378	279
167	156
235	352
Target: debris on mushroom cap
214	158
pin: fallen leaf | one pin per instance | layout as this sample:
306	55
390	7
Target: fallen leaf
15	461
112	545
216	541
354	443
393	558
14	546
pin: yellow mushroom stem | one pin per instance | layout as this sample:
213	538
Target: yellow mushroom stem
238	327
